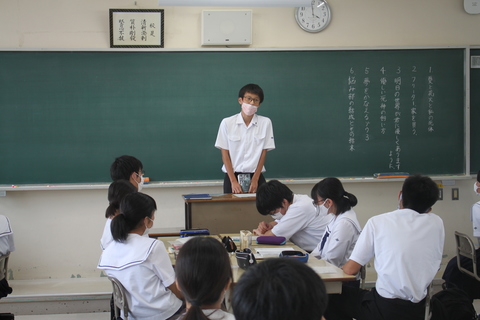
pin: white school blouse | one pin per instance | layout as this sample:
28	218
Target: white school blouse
7	244
339	239
475	216
143	267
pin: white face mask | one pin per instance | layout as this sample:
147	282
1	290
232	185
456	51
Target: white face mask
140	184
277	215
321	210
249	109
475	188
147	229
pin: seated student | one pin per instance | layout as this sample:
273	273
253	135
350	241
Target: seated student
116	192
203	275
475	212
7	245
128	168
140	263
294	214
280	289
407	245
343	230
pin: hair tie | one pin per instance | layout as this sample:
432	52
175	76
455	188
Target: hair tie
195	303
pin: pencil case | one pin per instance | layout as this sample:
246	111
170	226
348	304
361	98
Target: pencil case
271	240
245	258
295	254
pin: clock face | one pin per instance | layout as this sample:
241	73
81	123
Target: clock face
314	18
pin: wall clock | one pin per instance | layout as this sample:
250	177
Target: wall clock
314	18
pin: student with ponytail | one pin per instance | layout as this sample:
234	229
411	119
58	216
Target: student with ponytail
343	230
141	263
203	275
116	192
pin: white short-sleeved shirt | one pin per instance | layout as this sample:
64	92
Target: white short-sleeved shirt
245	144
407	247
301	224
339	239
143	267
107	234
6	236
475	216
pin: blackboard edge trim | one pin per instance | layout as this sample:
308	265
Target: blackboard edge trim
209	183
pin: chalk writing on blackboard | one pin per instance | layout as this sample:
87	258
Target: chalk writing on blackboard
366	103
352	81
396	104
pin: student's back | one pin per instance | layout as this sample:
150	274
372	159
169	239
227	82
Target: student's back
204	275
140	263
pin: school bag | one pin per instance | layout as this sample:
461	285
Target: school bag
452	304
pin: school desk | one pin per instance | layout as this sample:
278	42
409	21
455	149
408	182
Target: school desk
222	213
332	276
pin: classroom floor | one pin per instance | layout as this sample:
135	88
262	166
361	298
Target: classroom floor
106	315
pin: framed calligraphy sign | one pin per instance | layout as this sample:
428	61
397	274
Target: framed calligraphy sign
136	28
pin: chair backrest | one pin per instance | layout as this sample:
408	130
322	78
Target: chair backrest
428	311
4	265
466	248
363	274
119	298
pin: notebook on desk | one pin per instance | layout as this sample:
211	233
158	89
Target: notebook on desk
197	196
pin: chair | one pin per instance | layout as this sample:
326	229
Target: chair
4	266
119	298
363	274
428	311
466	248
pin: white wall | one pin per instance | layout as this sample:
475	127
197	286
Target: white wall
57	232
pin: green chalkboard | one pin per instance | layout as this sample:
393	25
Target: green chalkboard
475	116
65	116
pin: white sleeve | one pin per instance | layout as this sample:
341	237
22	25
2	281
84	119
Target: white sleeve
290	223
269	139
222	136
161	264
364	248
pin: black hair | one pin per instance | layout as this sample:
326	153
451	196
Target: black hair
478	176
332	188
203	271
124	166
133	210
419	193
252	88
280	289
116	192
270	196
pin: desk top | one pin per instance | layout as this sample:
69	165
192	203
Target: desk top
227	197
327	271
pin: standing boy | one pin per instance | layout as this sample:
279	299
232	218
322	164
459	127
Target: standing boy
407	245
244	140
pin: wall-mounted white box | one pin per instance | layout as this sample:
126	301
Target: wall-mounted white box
233	27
